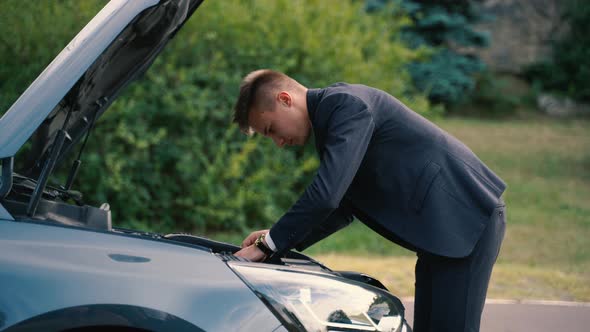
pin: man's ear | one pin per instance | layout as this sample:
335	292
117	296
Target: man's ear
284	98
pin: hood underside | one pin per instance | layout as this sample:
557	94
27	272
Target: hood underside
117	46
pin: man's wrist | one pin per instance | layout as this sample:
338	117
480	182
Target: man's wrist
260	244
269	242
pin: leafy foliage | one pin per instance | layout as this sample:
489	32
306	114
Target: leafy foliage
447	77
165	156
496	96
443	27
569	69
30	38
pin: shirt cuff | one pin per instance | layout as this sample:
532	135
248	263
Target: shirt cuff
269	242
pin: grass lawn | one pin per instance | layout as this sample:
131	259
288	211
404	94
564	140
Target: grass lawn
546	251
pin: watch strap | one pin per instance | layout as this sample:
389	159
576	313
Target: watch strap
259	243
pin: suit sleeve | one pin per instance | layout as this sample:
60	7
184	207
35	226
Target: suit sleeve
340	218
350	127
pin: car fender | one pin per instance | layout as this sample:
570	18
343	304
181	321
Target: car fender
46	268
105	316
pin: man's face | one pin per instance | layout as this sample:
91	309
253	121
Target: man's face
285	125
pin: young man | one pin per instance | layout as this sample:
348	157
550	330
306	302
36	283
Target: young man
393	170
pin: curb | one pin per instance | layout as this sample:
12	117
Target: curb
529	302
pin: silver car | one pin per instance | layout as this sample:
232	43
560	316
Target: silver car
64	267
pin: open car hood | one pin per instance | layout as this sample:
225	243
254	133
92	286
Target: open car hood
114	48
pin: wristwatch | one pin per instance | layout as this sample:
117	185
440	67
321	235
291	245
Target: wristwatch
259	243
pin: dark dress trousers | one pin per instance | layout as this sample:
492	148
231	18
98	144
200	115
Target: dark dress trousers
411	182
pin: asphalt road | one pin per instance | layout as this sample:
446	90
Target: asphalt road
528	316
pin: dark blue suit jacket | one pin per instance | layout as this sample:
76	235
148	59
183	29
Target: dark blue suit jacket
395	171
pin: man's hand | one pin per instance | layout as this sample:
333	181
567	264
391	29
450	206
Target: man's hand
250	239
249	250
252	253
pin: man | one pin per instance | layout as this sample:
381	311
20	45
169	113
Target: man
395	171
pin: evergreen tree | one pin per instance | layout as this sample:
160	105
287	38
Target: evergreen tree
444	26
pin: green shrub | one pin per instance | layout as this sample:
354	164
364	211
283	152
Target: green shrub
568	71
32	33
494	96
166	153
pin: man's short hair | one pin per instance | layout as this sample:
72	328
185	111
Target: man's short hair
257	91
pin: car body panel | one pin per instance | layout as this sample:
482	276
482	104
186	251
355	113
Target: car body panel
4	215
106	317
46	268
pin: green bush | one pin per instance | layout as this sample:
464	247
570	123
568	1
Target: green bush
32	33
166	153
494	96
568	71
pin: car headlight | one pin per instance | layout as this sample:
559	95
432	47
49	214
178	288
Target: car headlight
320	302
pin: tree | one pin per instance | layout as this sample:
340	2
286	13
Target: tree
446	28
